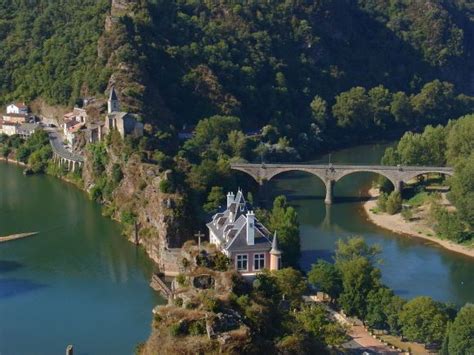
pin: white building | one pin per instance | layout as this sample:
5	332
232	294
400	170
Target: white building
240	236
17	108
9	128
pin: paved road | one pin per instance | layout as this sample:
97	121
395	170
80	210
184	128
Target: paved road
58	147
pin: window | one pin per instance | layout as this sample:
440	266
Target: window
258	261
242	262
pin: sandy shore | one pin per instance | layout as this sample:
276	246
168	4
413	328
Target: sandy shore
396	223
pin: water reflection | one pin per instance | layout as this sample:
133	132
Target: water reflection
16	287
410	266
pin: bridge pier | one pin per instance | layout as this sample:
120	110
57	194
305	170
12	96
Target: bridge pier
329	192
398	186
263	193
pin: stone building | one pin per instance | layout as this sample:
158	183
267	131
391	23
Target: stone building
240	235
125	123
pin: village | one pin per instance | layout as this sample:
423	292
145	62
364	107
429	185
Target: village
65	132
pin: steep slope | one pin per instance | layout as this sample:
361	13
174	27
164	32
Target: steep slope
49	49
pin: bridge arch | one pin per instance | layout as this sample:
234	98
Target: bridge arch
395	182
283	171
410	176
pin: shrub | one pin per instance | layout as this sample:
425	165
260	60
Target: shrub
209	303
382	202
197	327
177	329
117	174
221	262
181	279
407	214
166	186
128	217
394	203
185	263
178	302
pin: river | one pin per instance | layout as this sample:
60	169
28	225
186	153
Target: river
410	266
80	282
77	282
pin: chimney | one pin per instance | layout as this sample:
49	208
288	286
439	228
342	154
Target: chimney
230	199
250	228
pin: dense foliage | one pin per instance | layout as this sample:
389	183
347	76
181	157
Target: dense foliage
49	49
440	145
354	283
34	151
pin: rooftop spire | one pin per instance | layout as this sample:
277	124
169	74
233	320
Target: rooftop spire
113	94
275	249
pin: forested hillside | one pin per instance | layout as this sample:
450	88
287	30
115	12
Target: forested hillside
180	61
49	49
266	62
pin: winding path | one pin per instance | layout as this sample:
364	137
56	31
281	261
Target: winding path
60	152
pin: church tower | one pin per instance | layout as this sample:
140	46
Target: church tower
275	255
113	102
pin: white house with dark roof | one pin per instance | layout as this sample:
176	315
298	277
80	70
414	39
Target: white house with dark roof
240	235
19	108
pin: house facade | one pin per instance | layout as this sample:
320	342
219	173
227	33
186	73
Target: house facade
9	128
17	108
240	236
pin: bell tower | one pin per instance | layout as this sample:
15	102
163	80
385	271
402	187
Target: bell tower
113	102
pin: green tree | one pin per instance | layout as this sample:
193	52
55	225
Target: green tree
462	190
319	111
392	313
359	277
460	140
291	284
326	277
382	202
284	220
356	260
353	248
379	100
378	302
401	109
214	199
351	108
314	320
423	320
394	203
460	335
435	102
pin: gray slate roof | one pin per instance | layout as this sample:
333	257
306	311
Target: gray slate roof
230	227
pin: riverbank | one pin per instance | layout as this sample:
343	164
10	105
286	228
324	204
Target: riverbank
13	161
396	224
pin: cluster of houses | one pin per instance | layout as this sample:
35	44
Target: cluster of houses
77	122
243	238
16	120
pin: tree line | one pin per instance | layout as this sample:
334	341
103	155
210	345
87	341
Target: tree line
354	283
453	145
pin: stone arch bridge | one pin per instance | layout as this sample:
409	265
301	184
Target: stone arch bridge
331	173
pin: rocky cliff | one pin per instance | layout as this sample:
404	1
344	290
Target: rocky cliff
130	192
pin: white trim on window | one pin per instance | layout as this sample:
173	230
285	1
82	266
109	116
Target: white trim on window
242	262
259	261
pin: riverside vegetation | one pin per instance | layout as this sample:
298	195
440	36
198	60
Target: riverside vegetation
309	74
440	145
